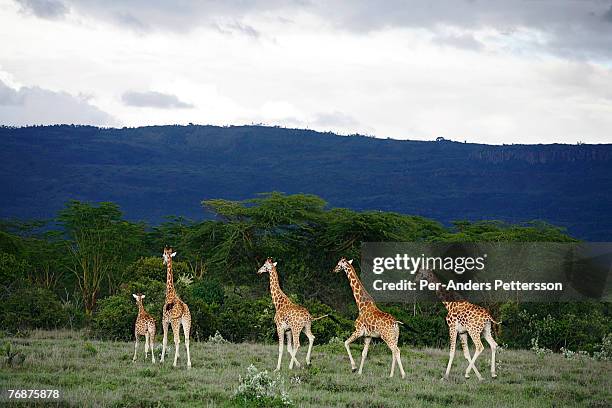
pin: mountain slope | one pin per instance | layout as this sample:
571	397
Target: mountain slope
156	171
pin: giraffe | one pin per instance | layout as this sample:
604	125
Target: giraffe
290	318
145	326
371	322
464	318
175	312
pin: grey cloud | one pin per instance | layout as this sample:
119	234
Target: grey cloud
50	9
578	29
608	15
465	41
34	105
152	99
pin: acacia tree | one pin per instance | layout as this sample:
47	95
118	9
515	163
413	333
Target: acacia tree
100	243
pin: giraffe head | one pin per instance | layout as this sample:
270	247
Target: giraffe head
343	265
168	254
138	297
267	266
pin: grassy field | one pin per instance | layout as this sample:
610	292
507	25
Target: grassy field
101	373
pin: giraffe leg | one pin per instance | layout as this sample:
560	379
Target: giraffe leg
135	347
466	350
347	343
289	335
288	341
452	332
397	355
493	344
294	347
364	353
281	334
165	323
176	335
311	338
391	341
475	335
151	342
186	322
146	345
396	351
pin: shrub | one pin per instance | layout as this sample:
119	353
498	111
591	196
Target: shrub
604	350
32	307
10	356
217	339
114	318
258	388
89	350
209	291
203	320
243	319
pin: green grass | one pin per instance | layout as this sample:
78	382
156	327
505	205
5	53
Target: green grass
101	373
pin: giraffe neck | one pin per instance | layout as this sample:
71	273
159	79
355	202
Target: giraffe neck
141	309
362	297
278	296
448	298
170	292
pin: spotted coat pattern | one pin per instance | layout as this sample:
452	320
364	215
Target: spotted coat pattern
463	319
371	322
175	312
144	326
290	319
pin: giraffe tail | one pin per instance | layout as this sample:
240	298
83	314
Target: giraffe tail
490	318
319	318
407	326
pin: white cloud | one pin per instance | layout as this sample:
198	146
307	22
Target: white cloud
418	74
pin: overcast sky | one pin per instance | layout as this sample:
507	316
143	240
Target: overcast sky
513	71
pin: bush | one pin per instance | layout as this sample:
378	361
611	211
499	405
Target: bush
32	307
259	389
604	350
203	320
210	292
576	326
115	317
243	319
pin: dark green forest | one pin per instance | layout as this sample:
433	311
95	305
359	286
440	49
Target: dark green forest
79	269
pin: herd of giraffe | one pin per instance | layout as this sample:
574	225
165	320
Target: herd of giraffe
463	319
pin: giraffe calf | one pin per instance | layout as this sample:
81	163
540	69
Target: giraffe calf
145	326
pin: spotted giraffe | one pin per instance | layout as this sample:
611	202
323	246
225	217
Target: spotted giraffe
464	318
175	312
371	322
145	326
290	318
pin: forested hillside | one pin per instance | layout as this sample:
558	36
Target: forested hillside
155	171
